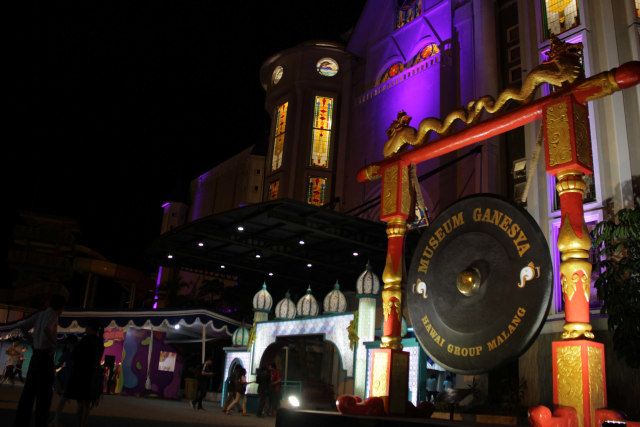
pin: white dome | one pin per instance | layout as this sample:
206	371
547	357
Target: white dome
335	302
240	337
262	301
307	305
286	308
368	284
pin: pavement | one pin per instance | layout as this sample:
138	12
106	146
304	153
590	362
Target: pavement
117	411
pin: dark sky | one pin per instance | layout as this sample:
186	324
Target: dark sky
121	103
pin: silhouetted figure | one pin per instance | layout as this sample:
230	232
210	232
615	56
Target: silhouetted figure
38	387
203	383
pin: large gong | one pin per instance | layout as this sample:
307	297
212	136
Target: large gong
479	286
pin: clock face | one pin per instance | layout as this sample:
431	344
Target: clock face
327	67
277	74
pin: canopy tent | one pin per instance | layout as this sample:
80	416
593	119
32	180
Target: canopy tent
288	243
193	325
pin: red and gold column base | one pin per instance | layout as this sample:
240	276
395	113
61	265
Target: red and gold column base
389	378
579	379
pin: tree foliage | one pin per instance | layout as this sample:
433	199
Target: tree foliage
617	259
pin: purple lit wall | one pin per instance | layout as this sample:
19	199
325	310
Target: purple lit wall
156	294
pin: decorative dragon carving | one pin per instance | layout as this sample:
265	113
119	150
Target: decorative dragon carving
562	67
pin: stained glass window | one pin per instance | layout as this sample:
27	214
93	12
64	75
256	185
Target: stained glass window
391	72
321	136
274	188
561	15
278	140
426	52
316	191
408	10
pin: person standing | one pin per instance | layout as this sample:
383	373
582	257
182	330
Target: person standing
274	389
447	383
63	373
203	383
432	387
263	378
38	386
85	381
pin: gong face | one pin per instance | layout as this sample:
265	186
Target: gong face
479	286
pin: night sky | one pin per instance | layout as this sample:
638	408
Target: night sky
121	103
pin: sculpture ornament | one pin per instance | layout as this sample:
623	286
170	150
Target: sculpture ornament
562	68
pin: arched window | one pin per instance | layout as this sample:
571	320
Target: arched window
425	53
391	72
408	10
278	139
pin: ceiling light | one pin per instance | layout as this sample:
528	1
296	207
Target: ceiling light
270	274
301	242
355	254
170	256
258	256
176	327
222	266
200	244
240	228
309	265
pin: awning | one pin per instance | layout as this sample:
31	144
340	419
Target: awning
180	325
299	244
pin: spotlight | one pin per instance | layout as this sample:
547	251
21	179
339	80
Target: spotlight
258	256
301	242
355	254
309	265
170	256
222	267
240	228
270	274
200	244
294	401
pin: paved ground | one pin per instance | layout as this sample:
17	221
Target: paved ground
116	411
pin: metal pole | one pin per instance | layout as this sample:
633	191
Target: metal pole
204	340
147	383
286	362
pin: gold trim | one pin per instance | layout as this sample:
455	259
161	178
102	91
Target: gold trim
569	379
596	381
558	134
390	190
581	133
570	182
576	330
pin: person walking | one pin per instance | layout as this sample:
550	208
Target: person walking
85	381
241	390
203	383
432	387
38	386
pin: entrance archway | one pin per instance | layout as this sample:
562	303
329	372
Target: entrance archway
311	369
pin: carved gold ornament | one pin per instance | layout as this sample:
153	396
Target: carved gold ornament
570	379
563	67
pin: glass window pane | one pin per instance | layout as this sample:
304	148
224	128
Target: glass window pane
561	15
274	189
316	193
278	141
321	133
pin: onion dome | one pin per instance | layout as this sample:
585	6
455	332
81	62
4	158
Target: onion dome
286	308
307	305
262	301
240	337
335	302
368	284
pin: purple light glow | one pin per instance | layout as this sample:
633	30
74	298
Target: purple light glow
166	205
157	291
